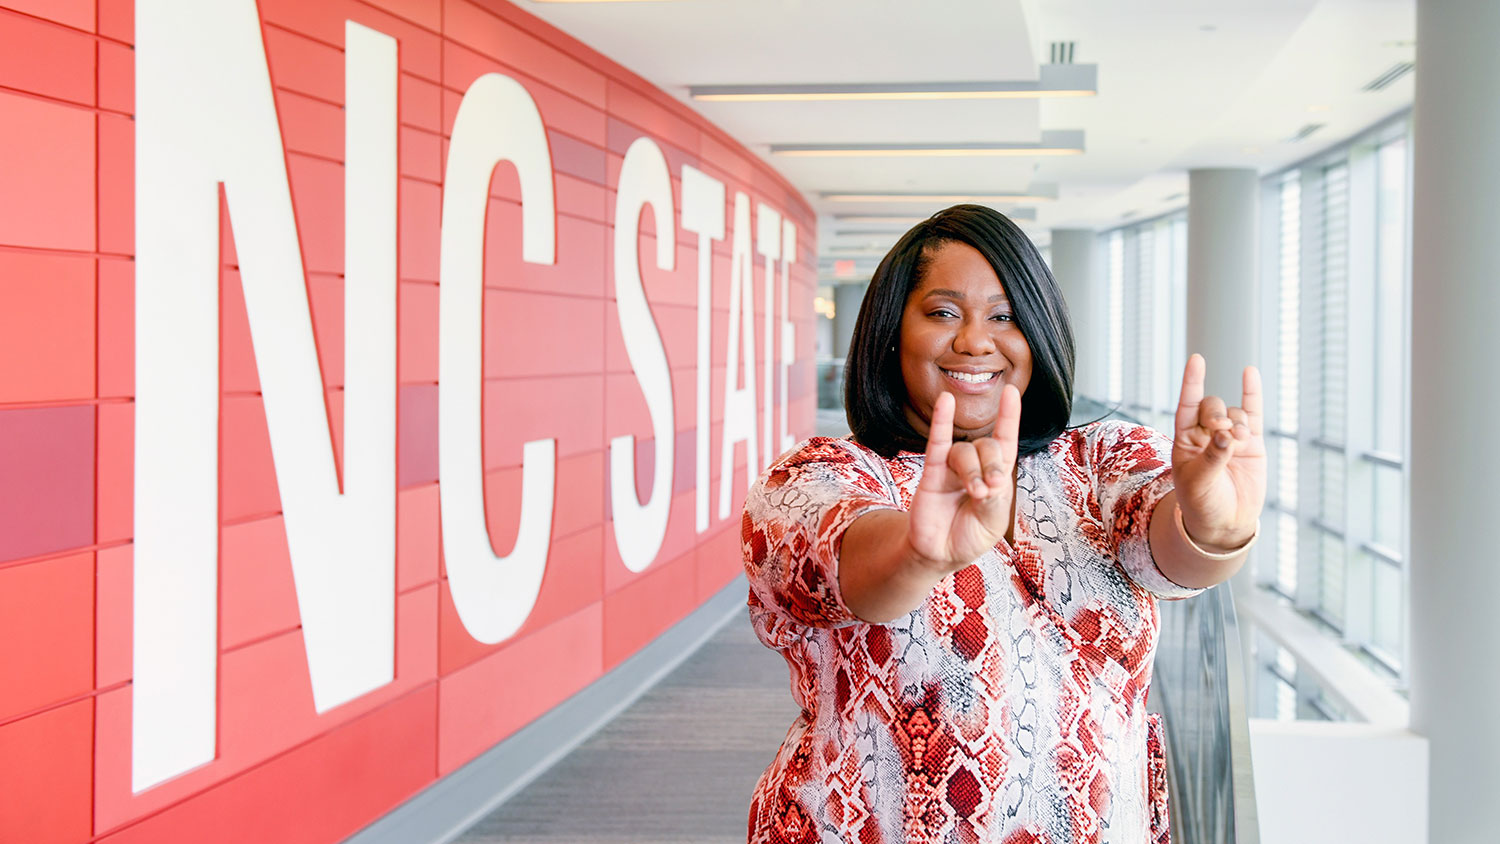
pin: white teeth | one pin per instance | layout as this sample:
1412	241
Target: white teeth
974	378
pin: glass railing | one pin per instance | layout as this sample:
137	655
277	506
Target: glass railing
1198	687
831	384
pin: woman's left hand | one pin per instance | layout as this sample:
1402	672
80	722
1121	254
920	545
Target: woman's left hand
1219	461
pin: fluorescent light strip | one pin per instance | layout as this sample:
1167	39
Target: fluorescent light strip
1053	80
1054	142
880	219
937	151
979	198
891	221
854	96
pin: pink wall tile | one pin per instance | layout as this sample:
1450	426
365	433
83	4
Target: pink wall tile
46	480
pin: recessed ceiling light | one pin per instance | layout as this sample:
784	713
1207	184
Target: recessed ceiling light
1054	142
1033	195
902	220
878	219
1054	80
936	151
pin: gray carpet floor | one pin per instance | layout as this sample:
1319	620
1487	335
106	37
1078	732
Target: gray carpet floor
678	766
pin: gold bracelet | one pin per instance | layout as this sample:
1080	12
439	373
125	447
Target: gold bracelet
1226	555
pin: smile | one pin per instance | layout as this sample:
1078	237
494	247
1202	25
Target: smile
971	377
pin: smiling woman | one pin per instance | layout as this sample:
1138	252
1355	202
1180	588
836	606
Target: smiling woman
966	590
959	336
1023	335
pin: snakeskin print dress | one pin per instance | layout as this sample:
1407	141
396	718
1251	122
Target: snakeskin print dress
1010	706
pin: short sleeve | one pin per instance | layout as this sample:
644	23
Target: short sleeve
1132	472
794	522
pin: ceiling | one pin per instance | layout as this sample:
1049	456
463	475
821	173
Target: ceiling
1182	84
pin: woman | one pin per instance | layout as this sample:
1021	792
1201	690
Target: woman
966	589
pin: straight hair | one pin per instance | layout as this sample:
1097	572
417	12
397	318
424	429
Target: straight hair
875	394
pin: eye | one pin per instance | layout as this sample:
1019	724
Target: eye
1004	317
942	312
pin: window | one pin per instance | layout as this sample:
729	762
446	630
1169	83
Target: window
1148	317
1335	290
1336	341
1116	315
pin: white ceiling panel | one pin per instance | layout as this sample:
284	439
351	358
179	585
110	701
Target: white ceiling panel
732	42
814	175
1182	84
977	121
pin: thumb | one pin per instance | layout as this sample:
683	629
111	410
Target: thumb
1220	450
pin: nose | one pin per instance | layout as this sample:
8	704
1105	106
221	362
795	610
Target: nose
973	338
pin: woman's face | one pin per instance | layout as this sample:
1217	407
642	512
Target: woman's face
958	336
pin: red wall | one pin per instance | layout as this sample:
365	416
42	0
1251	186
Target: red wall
555	366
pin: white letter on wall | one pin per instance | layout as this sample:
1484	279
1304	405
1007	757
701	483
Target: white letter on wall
703	214
205	116
497	121
641	527
788	331
768	244
739	402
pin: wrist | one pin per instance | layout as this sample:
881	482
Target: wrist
916	560
1215	544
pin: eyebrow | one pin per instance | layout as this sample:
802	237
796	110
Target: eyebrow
954	294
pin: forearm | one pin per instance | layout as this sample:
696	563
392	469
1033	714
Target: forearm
880	576
1177	559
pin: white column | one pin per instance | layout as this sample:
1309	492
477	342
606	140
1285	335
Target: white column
1078	269
1222	304
846	301
1455	672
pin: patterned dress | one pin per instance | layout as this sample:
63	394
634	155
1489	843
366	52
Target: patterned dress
1010	706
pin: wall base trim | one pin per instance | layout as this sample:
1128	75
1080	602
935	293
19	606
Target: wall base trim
448	807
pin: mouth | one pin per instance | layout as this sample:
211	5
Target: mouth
971	377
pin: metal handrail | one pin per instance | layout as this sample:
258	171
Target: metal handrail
1199	688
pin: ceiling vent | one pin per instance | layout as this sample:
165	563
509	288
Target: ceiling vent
1305	132
1382	81
1062	52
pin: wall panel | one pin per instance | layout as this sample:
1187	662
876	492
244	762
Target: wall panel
554	366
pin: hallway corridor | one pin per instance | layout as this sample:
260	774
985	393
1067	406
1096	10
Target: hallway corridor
677	766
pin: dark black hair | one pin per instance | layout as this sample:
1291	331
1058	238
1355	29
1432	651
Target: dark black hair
874	391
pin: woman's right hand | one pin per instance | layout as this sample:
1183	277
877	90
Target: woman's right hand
963	504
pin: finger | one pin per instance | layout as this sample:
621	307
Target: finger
1221	448
1008	427
1211	415
940	431
992	461
1241	420
1253	400
963	462
1192	393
